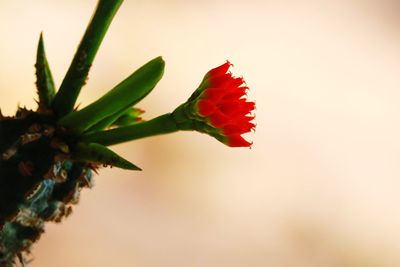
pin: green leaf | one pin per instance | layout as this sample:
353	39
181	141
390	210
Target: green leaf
129	117
124	95
123	118
78	71
100	154
44	79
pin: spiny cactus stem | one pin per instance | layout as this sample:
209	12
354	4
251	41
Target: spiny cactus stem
78	71
163	124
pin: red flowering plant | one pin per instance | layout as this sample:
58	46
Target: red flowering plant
218	107
48	155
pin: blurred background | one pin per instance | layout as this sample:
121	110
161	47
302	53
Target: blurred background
319	188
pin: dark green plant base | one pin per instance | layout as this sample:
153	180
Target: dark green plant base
39	182
44	163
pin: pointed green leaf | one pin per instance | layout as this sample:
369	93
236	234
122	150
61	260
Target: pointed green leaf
130	117
106	122
123	118
44	79
78	71
124	95
100	154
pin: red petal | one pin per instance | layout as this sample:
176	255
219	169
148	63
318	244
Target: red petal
220	70
247	118
236	108
218	119
237	141
249	106
220	80
235	94
205	107
246	123
228	107
236	82
238	128
214	94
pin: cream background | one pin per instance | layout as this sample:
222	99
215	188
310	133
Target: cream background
320	188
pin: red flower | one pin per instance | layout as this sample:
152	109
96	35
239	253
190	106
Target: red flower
221	102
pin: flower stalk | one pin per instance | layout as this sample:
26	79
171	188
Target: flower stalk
163	124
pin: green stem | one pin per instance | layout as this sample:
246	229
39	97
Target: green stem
163	124
76	76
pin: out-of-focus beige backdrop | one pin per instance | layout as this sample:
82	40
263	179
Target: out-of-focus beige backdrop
321	186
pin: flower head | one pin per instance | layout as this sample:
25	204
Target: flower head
220	107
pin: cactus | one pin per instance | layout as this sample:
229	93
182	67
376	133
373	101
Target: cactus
48	155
